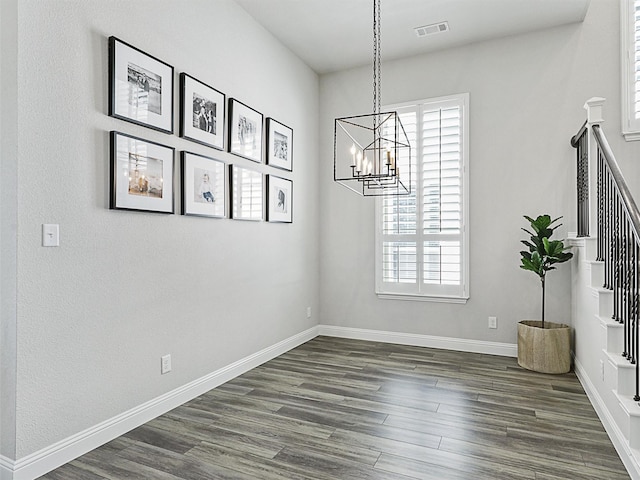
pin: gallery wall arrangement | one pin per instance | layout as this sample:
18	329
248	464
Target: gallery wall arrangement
142	171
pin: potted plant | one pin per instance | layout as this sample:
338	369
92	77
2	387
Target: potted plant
543	346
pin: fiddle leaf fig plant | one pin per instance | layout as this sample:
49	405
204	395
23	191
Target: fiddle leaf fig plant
543	252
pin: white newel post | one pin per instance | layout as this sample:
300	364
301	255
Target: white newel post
593	106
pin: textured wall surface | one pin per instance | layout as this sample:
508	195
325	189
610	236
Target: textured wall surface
124	288
526	98
8	239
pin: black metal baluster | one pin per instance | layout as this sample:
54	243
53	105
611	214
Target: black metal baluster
607	238
624	318
636	310
583	185
600	196
615	260
631	278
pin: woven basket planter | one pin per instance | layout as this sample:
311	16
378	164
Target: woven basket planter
545	350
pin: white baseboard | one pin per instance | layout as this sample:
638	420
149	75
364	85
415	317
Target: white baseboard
445	343
6	468
49	458
615	434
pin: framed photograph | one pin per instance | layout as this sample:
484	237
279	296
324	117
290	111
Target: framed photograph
140	87
245	131
246	194
279	145
204	186
141	174
279	199
202	112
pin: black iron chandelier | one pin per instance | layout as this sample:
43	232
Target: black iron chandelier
369	150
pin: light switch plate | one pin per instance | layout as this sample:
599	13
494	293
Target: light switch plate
50	235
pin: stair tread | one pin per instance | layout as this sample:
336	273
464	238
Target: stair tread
602	290
609	322
629	405
618	360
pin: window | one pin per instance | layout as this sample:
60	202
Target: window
630	47
422	238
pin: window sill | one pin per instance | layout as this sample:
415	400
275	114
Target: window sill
422	298
631	136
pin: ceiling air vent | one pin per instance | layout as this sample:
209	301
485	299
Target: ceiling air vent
432	29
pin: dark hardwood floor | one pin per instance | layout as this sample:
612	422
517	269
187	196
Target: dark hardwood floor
343	409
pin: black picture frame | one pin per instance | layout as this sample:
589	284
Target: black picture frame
247	193
245	131
202	112
204	186
142	174
279	145
140	87
279	199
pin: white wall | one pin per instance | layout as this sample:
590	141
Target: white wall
526	98
8	198
95	315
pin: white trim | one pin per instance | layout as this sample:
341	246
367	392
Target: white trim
419	290
418	340
575	241
615	434
631	136
422	298
630	126
53	456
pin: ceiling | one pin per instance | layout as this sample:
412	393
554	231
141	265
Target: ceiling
331	35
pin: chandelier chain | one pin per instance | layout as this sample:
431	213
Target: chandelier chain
376	63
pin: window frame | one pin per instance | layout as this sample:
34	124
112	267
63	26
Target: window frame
630	125
419	290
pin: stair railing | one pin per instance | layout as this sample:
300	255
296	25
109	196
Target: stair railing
618	227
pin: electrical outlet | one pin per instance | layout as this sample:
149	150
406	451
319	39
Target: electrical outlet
165	364
308	312
493	322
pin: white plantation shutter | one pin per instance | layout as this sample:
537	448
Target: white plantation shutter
422	240
636	58
630	31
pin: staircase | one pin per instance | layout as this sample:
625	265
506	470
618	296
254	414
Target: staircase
606	290
607	376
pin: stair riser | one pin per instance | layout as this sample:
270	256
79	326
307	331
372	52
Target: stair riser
597	274
605	303
591	247
614	338
634	431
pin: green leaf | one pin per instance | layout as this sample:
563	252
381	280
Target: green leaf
543	252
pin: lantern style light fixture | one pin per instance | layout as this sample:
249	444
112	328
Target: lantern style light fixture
368	149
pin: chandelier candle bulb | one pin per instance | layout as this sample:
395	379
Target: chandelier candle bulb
353	155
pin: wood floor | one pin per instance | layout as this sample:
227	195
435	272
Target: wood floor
345	409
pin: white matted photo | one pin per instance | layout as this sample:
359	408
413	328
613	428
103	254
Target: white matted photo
279	199
202	112
140	87
279	145
245	131
141	174
204	191
247	194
